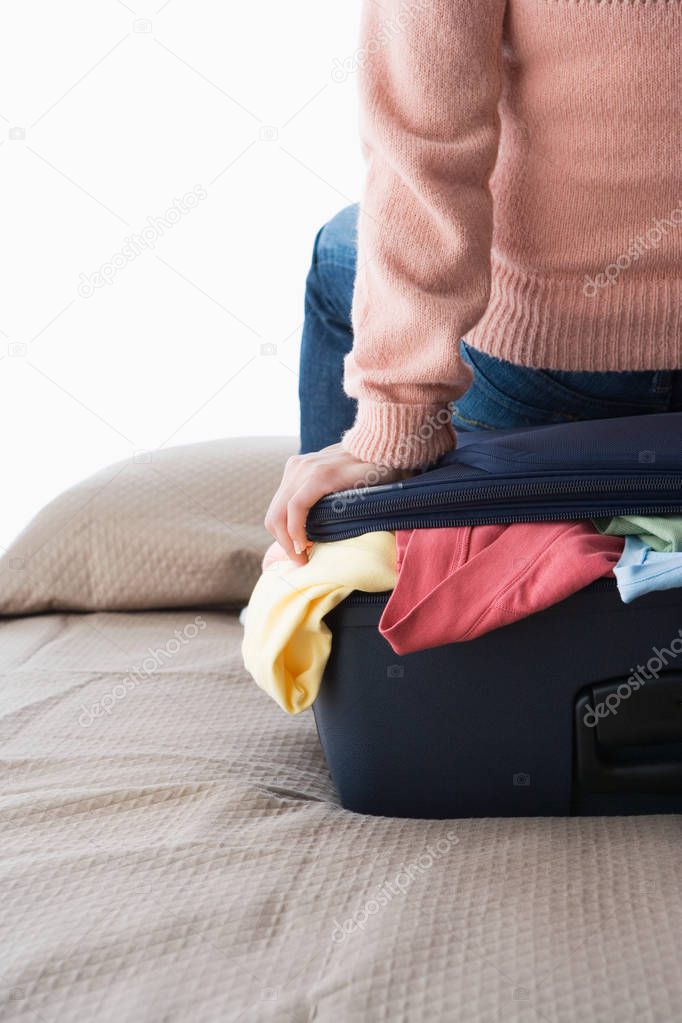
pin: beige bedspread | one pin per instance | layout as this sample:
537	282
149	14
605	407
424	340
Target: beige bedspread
172	849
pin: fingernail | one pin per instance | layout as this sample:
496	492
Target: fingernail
299	548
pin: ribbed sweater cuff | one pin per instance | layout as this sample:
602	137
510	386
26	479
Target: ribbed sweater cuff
400	436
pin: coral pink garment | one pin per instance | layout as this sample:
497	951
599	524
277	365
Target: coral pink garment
456	584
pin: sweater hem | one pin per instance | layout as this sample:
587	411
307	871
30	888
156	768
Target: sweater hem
585	324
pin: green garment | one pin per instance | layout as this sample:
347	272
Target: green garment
663	533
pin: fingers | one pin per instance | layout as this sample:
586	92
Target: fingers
276	518
306	479
276	524
298	507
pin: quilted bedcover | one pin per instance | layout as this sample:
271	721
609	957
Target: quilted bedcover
172	849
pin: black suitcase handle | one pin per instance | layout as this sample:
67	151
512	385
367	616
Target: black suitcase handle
627	742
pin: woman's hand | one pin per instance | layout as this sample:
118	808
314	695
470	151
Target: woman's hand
306	479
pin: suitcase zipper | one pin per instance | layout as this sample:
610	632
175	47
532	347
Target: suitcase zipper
391	513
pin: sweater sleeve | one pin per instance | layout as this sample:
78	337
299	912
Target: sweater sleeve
430	80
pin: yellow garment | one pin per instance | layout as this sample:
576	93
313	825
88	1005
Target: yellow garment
286	643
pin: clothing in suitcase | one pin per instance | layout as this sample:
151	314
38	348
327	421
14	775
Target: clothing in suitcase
575	709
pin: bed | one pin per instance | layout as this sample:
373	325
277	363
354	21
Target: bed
172	846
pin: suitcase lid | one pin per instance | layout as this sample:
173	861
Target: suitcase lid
582	470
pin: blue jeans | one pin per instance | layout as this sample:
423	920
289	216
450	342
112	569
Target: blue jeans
502	394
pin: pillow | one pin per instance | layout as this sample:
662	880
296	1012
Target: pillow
167	528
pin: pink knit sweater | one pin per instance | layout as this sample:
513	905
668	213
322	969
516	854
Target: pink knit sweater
524	190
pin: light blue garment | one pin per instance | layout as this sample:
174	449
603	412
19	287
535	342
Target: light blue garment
642	569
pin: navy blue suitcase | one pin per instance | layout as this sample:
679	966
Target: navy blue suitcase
575	710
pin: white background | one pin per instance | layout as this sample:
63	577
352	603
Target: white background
108	112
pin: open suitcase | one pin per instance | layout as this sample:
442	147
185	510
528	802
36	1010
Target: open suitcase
542	717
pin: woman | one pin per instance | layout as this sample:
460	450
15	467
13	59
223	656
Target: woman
524	192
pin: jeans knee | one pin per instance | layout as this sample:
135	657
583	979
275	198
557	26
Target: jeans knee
336	241
329	287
